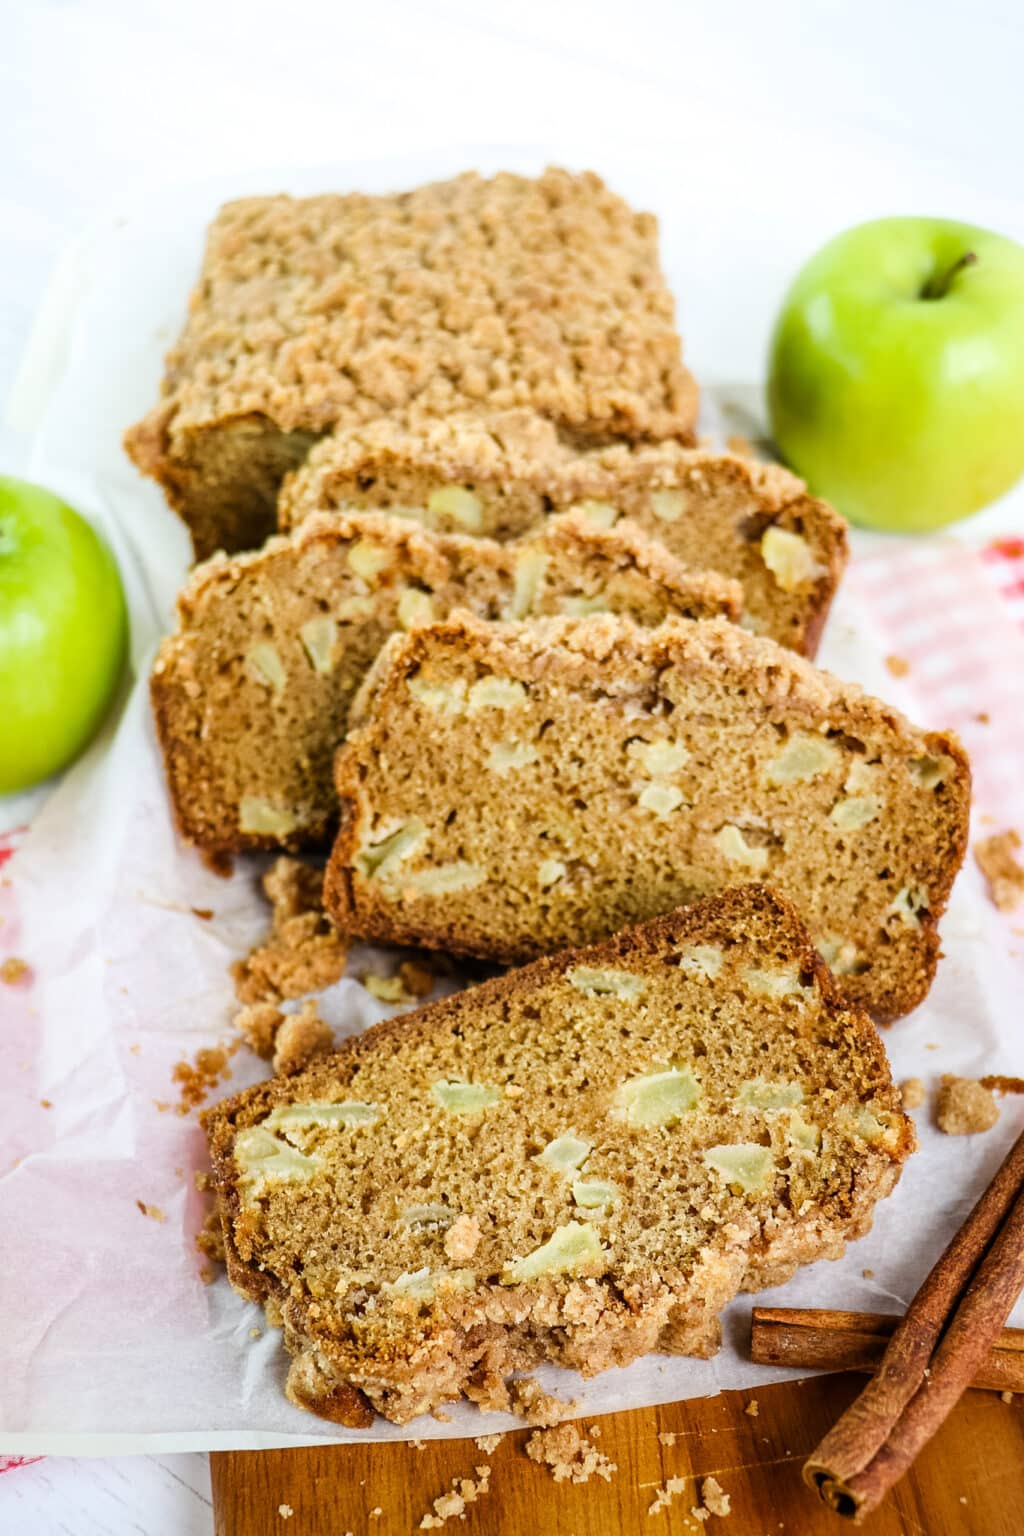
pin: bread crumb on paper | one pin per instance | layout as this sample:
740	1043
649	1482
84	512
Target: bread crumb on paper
995	857
913	1093
154	1212
868	1274
964	1106
258	1024
528	1399
303	952
198	1078
898	666
299	1038
13	970
452	1505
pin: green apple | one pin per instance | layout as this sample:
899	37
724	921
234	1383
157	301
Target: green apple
896	377
63	633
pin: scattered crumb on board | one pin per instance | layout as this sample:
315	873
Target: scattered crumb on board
714	1497
570	1456
486	1443
964	1106
913	1093
452	1505
667	1437
1006	1397
285	1511
303	952
664	1495
752	1410
995	857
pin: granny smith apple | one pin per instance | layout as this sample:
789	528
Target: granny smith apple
896	377
63	633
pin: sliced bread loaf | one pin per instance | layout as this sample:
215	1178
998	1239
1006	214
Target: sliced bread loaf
580	1162
329	311
503	474
251	694
513	789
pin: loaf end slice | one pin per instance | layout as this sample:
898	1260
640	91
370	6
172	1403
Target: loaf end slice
500	475
578	1162
509	790
251	694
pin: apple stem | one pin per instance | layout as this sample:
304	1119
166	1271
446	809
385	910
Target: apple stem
938	287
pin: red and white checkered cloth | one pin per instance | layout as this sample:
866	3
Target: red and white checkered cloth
956	617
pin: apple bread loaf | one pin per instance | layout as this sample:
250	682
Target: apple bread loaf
501	475
511	789
318	312
251	693
578	1162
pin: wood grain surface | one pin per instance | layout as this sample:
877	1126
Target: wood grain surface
969	1481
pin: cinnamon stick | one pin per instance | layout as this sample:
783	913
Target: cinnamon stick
855	1341
967	1298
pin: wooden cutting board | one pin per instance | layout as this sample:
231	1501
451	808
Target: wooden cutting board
968	1482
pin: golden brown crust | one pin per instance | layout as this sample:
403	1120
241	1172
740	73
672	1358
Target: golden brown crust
465	294
894	968
520	468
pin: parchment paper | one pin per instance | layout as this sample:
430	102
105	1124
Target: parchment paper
111	1341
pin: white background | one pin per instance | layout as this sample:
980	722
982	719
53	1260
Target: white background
803	115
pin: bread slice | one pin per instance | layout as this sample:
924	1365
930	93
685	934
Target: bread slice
580	1162
512	789
251	694
329	311
502	475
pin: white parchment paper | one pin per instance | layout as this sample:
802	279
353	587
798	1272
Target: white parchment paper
111	1341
